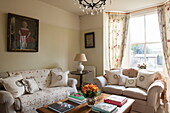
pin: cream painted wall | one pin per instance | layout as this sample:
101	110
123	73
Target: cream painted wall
59	36
94	23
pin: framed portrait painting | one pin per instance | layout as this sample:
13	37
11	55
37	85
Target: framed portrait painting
22	34
89	40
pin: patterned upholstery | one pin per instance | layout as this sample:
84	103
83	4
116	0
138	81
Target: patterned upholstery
28	103
42	77
43	97
131	72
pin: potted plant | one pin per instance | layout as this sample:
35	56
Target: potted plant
141	66
90	91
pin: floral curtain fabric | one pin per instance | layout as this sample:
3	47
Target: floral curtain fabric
116	40
164	23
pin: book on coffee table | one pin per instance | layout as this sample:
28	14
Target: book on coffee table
104	108
77	96
76	101
116	100
61	108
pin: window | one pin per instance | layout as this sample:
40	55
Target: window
145	42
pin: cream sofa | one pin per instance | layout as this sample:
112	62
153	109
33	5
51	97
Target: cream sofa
27	103
146	101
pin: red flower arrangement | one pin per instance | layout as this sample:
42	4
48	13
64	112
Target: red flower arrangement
90	90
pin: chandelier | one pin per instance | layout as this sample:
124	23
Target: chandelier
91	6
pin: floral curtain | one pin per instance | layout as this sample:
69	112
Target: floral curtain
116	39
164	22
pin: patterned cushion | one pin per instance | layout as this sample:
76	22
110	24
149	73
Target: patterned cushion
3	75
42	77
112	76
131	72
145	79
59	79
56	70
130	82
44	97
122	80
13	85
30	85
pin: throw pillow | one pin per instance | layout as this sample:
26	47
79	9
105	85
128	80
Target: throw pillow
122	80
30	85
59	78
112	77
130	82
145	79
130	72
13	85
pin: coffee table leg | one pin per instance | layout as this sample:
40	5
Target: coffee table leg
80	82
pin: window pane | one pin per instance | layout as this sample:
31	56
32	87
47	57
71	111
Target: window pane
136	55
154	56
137	29
152	28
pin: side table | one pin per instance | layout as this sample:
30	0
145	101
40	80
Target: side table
80	74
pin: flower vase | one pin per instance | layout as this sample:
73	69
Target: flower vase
91	101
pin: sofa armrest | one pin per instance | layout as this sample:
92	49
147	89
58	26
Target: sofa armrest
72	83
100	81
6	102
154	94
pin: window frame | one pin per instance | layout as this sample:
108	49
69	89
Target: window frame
145	42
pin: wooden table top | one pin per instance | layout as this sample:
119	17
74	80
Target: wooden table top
83	108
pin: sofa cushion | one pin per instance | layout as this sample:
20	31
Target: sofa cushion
42	76
137	93
3	75
112	76
59	78
115	89
44	97
130	72
130	82
145	79
13	85
122	80
56	69
30	85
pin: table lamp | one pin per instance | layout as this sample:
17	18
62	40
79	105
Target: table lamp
81	57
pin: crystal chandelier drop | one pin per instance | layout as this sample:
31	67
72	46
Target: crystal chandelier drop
91	6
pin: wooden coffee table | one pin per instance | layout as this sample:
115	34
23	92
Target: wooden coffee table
83	108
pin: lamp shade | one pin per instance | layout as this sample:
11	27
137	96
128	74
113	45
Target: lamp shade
80	57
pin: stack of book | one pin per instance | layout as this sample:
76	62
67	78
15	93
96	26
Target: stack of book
61	107
116	100
77	98
104	108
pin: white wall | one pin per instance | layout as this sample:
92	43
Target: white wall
59	36
94	23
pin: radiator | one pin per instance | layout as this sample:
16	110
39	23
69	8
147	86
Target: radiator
89	78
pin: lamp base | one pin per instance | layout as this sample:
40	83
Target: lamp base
80	67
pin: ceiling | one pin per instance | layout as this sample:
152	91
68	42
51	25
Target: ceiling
116	5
